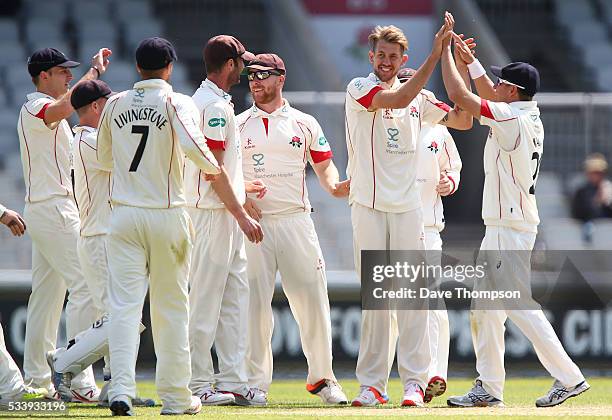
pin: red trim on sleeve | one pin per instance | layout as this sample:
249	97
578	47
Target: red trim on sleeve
265	123
318	156
366	100
41	113
454	184
443	106
485	111
215	144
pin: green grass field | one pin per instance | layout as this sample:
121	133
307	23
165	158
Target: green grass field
289	399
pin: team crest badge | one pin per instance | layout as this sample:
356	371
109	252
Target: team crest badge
296	141
433	147
414	112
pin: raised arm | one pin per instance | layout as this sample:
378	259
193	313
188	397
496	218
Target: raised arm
61	108
455	87
484	85
401	98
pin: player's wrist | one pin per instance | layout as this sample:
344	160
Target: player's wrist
476	69
97	71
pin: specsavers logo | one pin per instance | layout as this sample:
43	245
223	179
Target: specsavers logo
215	122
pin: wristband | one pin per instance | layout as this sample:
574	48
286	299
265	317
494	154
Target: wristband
476	70
97	71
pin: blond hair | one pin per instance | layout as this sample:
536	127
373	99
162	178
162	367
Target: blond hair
391	34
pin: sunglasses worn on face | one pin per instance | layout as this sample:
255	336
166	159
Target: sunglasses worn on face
262	75
501	81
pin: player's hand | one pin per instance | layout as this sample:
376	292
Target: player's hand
251	228
465	49
101	61
14	221
252	210
210	177
442	37
341	189
445	185
256	187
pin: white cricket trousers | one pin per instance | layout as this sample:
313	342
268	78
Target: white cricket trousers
93	255
439	331
384	330
218	302
54	227
11	381
488	325
150	249
291	247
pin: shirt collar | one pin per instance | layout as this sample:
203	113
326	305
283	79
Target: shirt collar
216	90
524	104
38	95
283	111
376	80
153	83
86	128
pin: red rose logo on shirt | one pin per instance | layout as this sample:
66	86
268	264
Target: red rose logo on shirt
296	141
433	147
414	112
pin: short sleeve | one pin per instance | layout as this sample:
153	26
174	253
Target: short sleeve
214	125
433	110
361	92
318	148
503	122
36	110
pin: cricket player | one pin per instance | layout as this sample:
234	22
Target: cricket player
143	136
12	387
219	289
92	187
45	141
383	123
512	156
439	170
278	141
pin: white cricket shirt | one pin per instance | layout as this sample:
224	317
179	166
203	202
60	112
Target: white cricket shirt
276	148
438	155
218	124
45	151
143	136
92	183
512	157
382	146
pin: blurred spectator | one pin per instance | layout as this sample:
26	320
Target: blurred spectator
593	199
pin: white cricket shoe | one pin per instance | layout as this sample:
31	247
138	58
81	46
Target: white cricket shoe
558	394
413	395
329	391
121	406
435	387
476	397
253	397
194	408
369	397
61	381
88	394
210	396
26	393
136	401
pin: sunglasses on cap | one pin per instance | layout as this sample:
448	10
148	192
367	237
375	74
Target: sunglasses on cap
501	81
262	74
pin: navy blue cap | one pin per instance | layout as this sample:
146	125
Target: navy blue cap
521	74
87	91
155	53
45	58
